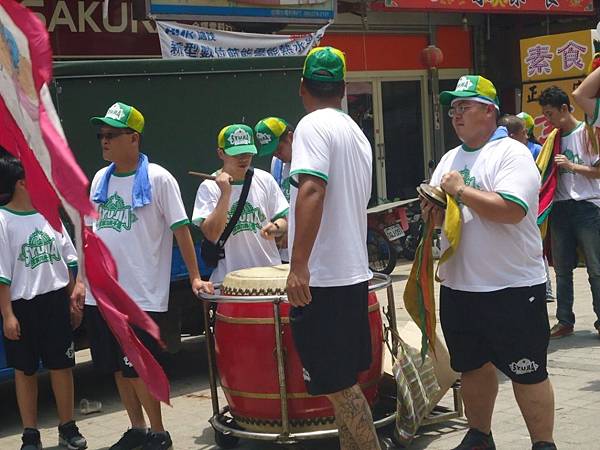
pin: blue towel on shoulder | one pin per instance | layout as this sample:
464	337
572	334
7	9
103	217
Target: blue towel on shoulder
142	190
500	133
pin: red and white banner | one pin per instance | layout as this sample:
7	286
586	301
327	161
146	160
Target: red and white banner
30	129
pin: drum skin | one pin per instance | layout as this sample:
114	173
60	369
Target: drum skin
247	365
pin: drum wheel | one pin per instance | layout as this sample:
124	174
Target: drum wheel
226	441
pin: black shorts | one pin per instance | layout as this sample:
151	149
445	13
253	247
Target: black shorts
107	355
508	328
46	334
333	337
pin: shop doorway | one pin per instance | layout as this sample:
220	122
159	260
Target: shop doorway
391	113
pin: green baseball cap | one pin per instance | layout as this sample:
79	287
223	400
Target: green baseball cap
268	131
470	86
529	123
237	139
325	64
121	115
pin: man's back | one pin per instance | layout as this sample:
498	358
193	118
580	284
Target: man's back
329	145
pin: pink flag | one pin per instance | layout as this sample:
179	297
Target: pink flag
30	129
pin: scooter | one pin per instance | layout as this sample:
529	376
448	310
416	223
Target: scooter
387	225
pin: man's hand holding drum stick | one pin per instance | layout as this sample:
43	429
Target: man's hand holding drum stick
205	176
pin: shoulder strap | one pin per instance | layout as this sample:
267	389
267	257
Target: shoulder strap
238	210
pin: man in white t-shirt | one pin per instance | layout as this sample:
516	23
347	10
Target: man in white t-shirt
329	266
492	297
139	211
263	218
575	216
275	137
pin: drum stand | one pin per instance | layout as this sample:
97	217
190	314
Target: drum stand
228	433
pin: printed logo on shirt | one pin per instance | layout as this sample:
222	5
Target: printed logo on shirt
468	179
127	362
523	366
39	249
115	214
251	218
573	157
285	188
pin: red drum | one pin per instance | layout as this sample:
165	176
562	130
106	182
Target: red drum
247	360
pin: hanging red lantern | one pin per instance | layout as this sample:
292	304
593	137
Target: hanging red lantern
432	57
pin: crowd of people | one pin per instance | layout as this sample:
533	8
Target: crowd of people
310	211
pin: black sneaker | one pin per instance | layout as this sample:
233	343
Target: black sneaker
31	439
541	445
132	439
70	437
158	441
476	440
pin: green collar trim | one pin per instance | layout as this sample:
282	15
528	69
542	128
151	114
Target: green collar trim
124	174
572	131
18	213
466	148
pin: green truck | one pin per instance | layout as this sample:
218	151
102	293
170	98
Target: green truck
185	104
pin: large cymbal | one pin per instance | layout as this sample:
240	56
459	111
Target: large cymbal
434	194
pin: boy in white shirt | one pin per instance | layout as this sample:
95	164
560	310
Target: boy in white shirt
251	243
37	294
575	216
275	136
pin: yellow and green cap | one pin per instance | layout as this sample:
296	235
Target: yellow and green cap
470	86
236	139
325	64
121	115
268	131
529	123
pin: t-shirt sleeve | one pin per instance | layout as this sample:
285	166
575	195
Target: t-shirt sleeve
436	177
278	206
6	269
205	203
310	150
67	249
87	220
595	119
170	201
518	180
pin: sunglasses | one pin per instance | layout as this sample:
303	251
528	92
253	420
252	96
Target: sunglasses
110	136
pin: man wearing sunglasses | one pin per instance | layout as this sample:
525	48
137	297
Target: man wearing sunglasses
493	295
139	211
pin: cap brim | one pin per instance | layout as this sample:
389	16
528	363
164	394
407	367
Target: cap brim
268	149
240	149
446	97
107	121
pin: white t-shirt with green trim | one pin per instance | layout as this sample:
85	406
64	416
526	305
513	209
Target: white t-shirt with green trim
140	239
34	256
572	185
329	144
491	255
281	172
245	247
